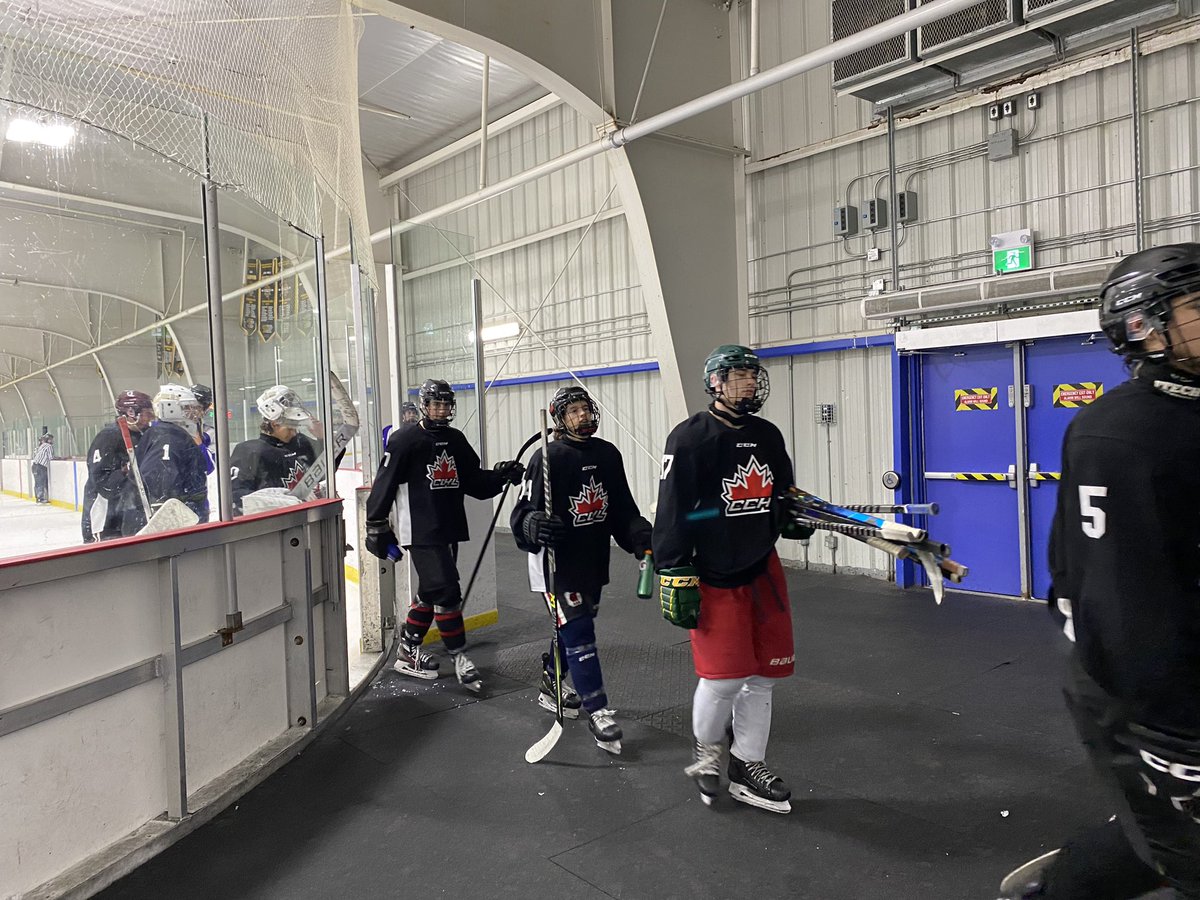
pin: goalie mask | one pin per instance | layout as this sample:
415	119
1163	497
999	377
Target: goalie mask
204	395
177	404
281	406
1138	300
748	390
131	405
434	390
567	420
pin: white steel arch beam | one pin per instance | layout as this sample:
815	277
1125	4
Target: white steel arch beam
62	406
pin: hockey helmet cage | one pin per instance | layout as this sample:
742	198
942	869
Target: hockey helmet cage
176	403
735	356
436	389
131	403
204	395
1136	298
280	405
563	398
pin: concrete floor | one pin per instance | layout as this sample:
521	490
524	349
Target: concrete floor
927	749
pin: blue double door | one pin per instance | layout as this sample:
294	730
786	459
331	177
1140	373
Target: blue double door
992	424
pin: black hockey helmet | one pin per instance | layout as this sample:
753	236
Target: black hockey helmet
1136	298
561	402
131	403
204	395
436	389
735	356
409	407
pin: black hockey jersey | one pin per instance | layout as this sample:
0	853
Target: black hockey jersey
108	477
590	493
716	498
1125	545
173	465
267	462
426	473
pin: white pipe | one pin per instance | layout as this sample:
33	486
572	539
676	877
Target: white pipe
483	122
754	11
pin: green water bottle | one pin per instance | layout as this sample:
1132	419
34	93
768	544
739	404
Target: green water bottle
645	586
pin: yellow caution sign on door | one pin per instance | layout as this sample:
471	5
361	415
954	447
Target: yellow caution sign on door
1069	396
975	398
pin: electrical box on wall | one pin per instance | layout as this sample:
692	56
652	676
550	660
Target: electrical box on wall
906	207
874	216
845	220
1002	144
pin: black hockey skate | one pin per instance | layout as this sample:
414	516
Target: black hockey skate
605	730
755	784
412	660
706	769
570	699
1025	882
468	675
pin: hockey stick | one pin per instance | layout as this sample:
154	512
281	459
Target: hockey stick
133	466
317	472
892	531
538	751
892	509
495	518
173	514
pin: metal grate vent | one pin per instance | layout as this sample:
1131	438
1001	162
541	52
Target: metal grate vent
849	17
1046	6
970	24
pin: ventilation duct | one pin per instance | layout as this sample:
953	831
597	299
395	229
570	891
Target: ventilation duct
1065	282
966	27
849	17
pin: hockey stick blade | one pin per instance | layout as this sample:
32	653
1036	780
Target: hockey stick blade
539	751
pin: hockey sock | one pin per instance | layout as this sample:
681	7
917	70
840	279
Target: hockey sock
752	718
579	640
450	626
712	707
420	617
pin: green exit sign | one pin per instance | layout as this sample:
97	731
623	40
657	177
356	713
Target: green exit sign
1014	259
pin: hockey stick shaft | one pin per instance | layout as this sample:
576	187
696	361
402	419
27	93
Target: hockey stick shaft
889	509
891	530
133	465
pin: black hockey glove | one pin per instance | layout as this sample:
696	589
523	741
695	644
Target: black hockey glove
788	509
381	541
642	532
679	595
543	530
510	470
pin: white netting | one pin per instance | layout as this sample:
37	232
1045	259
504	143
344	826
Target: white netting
259	95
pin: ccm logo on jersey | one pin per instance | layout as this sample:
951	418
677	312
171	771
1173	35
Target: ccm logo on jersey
591	504
443	473
1174	769
783	660
749	491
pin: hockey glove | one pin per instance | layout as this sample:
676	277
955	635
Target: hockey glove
381	541
642	532
510	470
788	508
543	530
679	595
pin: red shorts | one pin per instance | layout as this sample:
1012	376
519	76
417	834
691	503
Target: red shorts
745	630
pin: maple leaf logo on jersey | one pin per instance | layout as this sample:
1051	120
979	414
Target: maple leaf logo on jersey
295	473
591	504
443	473
749	491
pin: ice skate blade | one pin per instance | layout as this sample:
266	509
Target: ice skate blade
613	747
707	799
1022	876
423	674
473	686
547	703
747	796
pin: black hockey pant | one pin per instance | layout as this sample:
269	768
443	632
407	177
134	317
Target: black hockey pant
438	596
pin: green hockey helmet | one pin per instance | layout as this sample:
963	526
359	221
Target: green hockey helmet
716	373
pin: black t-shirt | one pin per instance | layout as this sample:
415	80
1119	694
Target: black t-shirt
267	462
590	493
426	473
716	498
1125	545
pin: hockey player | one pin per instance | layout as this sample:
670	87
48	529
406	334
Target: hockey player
109	491
428	468
170	462
1126	582
719	516
409	414
591	503
281	454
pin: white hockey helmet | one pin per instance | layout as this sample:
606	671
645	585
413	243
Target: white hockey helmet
280	405
176	403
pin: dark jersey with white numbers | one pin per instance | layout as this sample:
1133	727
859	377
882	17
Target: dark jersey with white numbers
267	462
590	493
716	498
173	465
426	473
1125	545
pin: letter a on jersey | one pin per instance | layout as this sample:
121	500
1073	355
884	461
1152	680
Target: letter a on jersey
443	473
590	505
749	491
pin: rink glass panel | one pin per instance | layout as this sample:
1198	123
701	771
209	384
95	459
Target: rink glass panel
102	290
272	331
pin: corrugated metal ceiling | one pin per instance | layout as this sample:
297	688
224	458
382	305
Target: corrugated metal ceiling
435	81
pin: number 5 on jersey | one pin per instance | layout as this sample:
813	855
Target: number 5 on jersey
1094	520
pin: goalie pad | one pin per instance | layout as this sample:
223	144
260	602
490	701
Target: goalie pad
98	515
267	499
171	516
